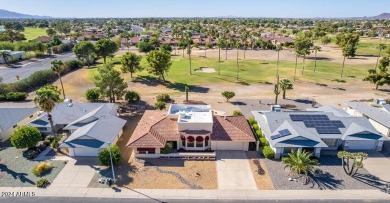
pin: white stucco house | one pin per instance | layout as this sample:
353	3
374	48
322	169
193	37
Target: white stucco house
317	129
91	126
14	54
190	128
12	118
378	113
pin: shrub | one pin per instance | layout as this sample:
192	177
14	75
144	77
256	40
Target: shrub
132	97
50	138
104	156
252	121
30	55
35	80
160	105
268	152
168	148
256	126
41	146
26	137
43	182
53	143
228	95
30	154
237	113
72	65
7	46
163	98
263	141
16	96
93	94
259	133
41	168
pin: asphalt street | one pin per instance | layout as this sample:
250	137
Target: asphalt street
9	74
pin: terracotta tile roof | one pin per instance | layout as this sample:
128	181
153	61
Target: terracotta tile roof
153	130
233	128
43	39
195	132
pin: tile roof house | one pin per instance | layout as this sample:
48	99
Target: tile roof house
43	39
325	128
378	113
11	118
92	126
189	128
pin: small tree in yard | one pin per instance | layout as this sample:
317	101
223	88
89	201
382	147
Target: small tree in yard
104	156
110	83
159	62
228	95
92	95
160	105
352	161
285	85
132	97
131	63
381	77
25	137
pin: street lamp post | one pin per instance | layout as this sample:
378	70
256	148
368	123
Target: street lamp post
112	165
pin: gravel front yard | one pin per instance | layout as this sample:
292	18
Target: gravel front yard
332	177
162	174
260	172
11	168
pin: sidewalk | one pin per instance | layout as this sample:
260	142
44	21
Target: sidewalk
204	194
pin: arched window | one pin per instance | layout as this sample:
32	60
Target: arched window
190	141
199	141
206	141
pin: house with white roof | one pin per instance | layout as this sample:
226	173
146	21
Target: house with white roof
378	113
12	118
190	128
317	129
92	126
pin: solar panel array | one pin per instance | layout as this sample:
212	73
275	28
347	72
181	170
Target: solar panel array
321	123
281	133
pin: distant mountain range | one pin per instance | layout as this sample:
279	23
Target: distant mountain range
10	14
383	16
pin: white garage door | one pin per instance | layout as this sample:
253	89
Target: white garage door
362	145
230	145
86	151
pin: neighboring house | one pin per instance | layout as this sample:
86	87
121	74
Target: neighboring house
189	128
43	39
11	118
377	113
14	54
325	128
92	126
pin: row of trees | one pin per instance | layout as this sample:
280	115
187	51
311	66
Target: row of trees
89	52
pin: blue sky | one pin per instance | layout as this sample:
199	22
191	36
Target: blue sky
198	8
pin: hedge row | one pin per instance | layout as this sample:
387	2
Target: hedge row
13	96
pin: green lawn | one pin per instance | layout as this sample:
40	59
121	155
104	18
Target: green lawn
251	71
33	32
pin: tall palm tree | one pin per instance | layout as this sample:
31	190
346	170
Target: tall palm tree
285	85
300	163
380	47
278	49
304	52
57	66
46	99
316	49
237	45
297	54
5	55
189	56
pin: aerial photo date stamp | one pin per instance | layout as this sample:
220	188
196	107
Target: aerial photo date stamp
17	194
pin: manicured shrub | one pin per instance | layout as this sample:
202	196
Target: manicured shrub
168	148
160	105
35	80
72	65
93	94
43	182
132	97
41	168
268	152
263	141
252	121
16	96
53	144
104	156
30	55
237	113
256	126
163	98
259	133
26	137
228	95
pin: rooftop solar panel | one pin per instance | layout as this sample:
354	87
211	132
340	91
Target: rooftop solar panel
284	132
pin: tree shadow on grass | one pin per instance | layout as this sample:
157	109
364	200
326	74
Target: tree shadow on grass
239	103
152	81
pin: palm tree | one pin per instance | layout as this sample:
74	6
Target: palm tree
316	49
300	163
5	55
237	44
297	54
46	99
304	52
57	66
278	49
285	85
380	47
189	56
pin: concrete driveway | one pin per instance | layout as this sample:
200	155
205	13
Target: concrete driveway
378	165
234	172
9	74
77	173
